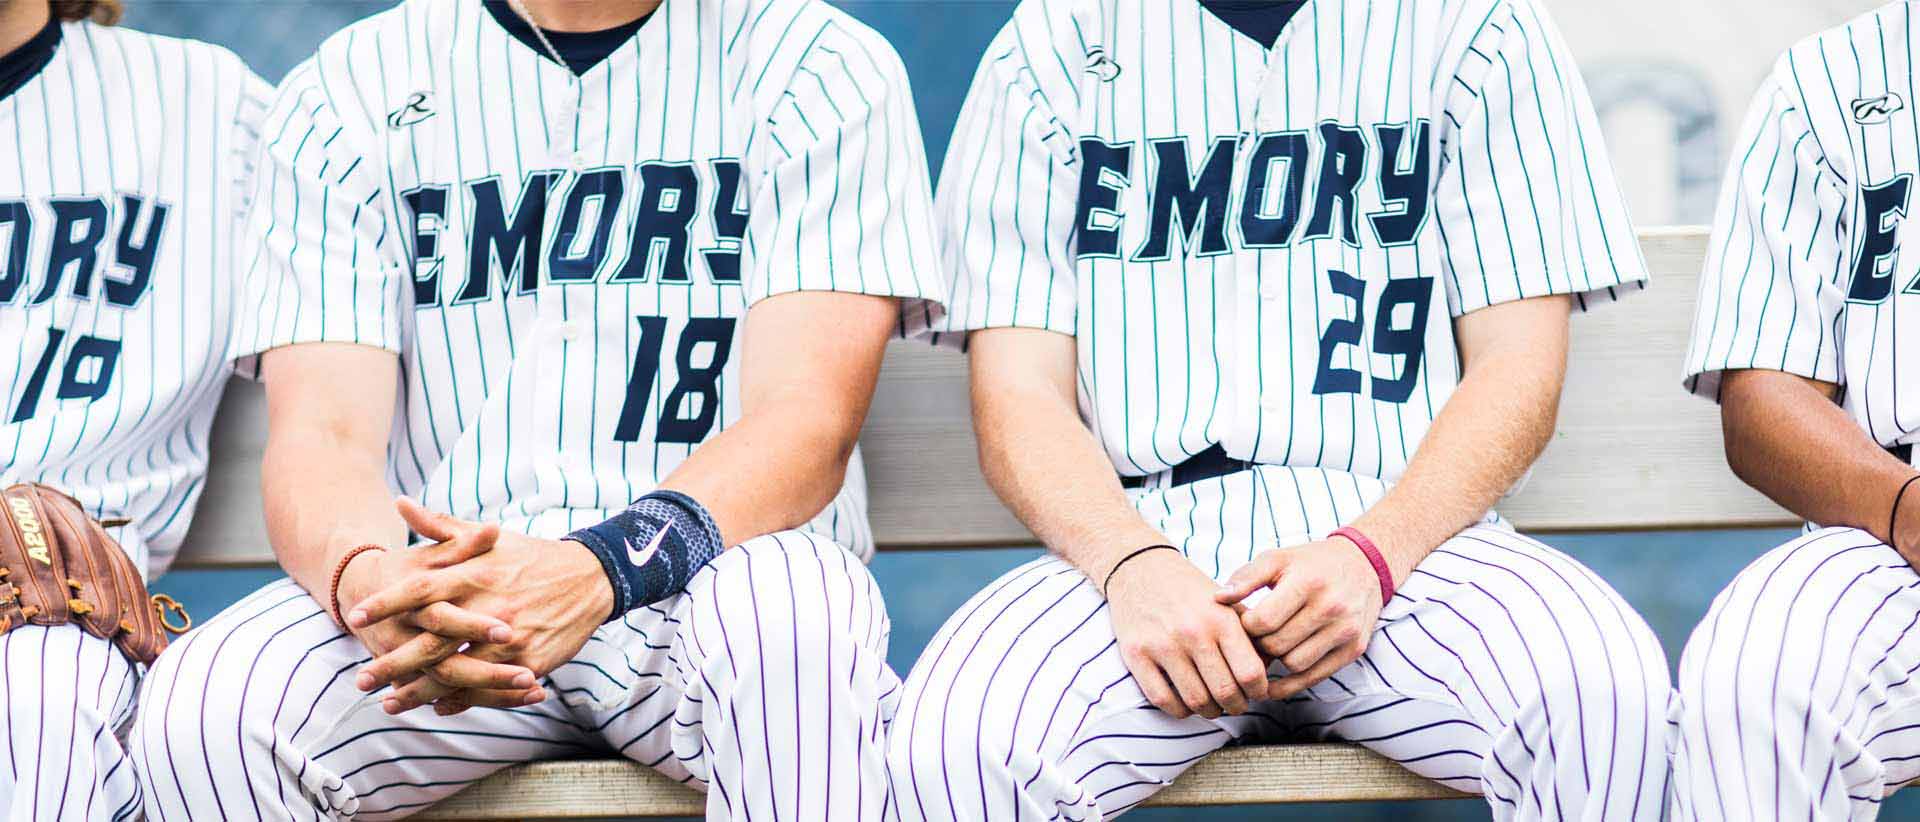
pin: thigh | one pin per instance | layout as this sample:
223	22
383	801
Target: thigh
65	700
1023	694
1496	635
255	716
1818	642
51	674
764	641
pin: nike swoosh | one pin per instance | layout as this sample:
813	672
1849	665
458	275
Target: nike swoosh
641	556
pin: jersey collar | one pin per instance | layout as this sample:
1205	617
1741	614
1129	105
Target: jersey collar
20	66
581	51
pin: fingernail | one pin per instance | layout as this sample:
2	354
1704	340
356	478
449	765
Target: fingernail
391	706
524	680
357	619
500	633
535	697
364	682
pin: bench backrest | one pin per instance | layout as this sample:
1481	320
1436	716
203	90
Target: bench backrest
1633	450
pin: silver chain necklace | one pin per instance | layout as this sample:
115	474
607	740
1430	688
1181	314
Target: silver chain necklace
520	7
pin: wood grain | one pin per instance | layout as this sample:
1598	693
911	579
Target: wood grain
597	789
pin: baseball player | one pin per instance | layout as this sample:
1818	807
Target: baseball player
124	165
604	288
1797	692
1268	306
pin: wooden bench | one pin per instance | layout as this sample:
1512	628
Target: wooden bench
1633	451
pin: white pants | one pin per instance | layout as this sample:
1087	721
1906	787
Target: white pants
1501	667
1798	697
765	684
68	697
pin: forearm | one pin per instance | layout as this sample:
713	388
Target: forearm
1050	471
323	479
1787	438
1495	425
771	471
322	500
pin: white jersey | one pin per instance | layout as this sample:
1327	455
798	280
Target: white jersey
1811	258
563	262
1265	249
123	181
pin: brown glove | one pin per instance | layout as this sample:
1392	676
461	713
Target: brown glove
58	566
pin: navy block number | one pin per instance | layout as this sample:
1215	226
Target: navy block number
693	406
1407	342
88	373
1331	380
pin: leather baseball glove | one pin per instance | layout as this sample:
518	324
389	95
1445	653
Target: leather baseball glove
58	566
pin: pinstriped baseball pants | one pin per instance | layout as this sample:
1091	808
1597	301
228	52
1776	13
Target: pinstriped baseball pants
765	684
1502	667
1798	691
68	698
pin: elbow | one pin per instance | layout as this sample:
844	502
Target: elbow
1741	456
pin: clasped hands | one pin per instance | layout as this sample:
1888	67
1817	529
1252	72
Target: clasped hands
476	619
1197	647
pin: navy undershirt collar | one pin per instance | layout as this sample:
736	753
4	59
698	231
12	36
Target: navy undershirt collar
582	50
1262	20
25	63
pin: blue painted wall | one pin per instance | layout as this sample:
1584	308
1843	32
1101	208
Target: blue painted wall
1669	576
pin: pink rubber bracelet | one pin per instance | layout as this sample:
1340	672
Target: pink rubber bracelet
1374	557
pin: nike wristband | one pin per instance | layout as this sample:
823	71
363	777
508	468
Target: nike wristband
651	551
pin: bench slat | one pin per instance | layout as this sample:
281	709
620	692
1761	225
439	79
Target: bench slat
593	789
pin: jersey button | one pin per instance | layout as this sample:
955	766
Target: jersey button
1273	405
569	331
579	162
1270	291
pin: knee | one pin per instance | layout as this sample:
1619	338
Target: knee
61	671
792	593
1617	688
230	673
1773	635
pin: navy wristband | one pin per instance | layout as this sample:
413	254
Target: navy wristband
651	551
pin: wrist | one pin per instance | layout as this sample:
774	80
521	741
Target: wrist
356	576
652	550
599	584
1903	523
1136	563
1365	547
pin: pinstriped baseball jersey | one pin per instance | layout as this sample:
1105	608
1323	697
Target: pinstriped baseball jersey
563	261
1808	270
1265	248
124	171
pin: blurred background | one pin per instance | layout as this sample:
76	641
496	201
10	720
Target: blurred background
1671	79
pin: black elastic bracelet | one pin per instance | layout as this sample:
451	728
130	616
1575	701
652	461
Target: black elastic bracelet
1893	519
1128	558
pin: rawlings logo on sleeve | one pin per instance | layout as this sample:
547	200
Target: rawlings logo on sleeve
30	530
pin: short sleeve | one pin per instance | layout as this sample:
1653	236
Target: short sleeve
1007	201
321	264
250	113
1770	296
1526	200
841	199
